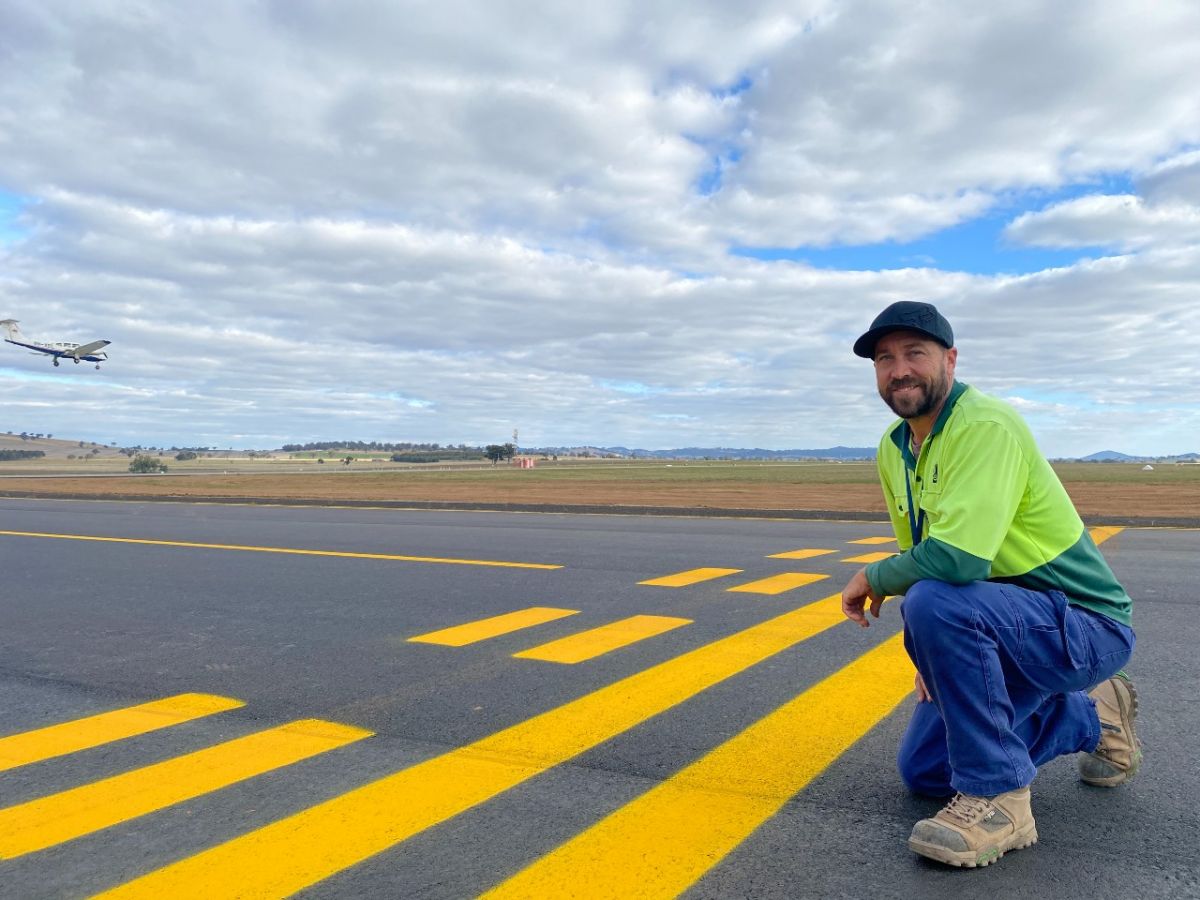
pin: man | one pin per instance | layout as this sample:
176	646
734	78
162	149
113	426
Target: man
1010	612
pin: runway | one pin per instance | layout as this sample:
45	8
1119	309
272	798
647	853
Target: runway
217	700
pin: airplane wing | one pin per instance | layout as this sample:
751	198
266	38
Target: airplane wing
88	349
34	348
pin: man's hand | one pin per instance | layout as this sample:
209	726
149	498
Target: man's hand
855	596
923	695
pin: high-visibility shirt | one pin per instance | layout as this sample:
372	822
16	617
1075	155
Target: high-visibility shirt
985	505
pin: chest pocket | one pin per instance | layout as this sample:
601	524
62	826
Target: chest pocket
926	496
930	500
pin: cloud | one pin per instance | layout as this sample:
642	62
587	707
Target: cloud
1126	222
302	221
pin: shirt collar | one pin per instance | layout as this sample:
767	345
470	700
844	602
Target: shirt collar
902	436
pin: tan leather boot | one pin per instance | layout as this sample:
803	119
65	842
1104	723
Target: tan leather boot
1119	753
976	831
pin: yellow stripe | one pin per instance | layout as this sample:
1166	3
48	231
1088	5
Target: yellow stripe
1102	533
777	584
294	853
61	817
867	558
104	728
664	841
589	644
801	554
874	540
471	632
246	548
691	576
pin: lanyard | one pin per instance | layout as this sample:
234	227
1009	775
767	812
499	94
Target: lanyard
916	524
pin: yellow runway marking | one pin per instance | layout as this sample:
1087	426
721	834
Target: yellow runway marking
1102	533
472	632
777	584
661	843
251	549
598	641
867	557
801	554
691	576
303	849
61	817
874	540
104	728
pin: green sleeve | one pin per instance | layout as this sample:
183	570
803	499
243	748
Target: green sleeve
929	559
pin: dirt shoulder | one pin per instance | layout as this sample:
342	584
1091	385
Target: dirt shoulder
1178	503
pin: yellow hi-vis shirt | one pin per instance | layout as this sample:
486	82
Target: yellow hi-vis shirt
982	503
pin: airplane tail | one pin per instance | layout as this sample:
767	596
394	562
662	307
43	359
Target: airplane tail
11	329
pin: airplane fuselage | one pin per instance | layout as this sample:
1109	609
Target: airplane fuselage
59	349
56	350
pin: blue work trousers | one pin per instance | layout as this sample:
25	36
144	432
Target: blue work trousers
1008	670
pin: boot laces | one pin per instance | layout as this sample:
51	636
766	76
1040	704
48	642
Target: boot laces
966	809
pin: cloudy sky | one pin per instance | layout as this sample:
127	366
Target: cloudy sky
656	224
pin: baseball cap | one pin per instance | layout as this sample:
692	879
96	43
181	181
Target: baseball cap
905	315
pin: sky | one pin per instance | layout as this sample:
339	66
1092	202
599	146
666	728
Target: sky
654	224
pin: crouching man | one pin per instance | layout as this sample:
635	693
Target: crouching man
1011	615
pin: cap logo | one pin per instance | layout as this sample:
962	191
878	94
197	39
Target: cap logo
921	318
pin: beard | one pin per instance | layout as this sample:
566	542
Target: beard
930	394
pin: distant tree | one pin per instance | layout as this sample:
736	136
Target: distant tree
347	460
185	455
21	454
143	464
80	443
320	460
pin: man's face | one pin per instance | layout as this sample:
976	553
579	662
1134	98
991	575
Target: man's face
914	374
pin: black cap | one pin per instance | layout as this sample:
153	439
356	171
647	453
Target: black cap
905	315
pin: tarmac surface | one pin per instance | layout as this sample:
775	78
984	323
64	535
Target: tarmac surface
251	701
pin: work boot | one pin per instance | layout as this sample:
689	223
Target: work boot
1119	753
976	831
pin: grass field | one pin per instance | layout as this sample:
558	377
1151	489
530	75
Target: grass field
1098	489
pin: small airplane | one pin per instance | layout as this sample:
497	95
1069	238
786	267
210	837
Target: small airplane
57	349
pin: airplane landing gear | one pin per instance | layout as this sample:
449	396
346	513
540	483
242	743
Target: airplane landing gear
56	360
97	367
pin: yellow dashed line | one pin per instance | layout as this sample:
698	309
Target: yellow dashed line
1102	533
42	823
801	554
472	632
597	641
777	584
874	540
104	728
691	576
867	558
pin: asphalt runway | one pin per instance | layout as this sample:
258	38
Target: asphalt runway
244	701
